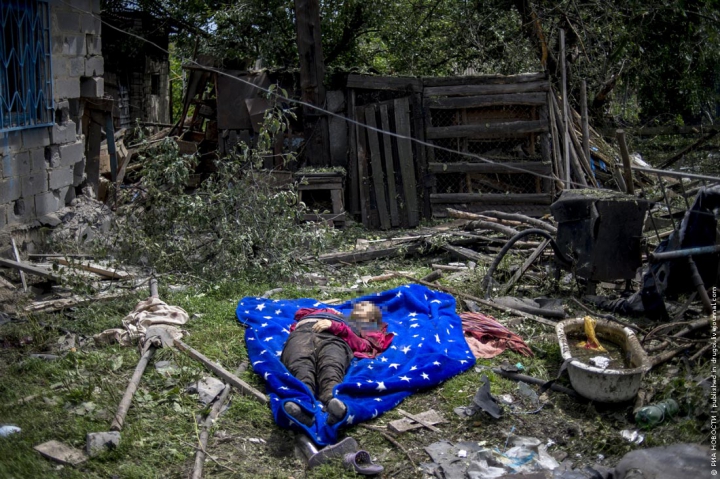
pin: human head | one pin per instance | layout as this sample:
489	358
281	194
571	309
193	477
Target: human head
366	315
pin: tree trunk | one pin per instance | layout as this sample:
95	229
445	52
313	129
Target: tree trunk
312	75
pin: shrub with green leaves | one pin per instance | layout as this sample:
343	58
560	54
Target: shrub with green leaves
235	223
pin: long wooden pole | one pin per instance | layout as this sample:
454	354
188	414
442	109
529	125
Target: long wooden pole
625	155
122	410
566	143
585	121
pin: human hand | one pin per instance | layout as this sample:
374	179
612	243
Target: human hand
322	325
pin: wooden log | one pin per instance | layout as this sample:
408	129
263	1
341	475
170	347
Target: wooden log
94	268
407	168
468	90
466	254
584	120
518	167
119	419
377	171
514	199
489	225
492	79
487	130
371	82
222	372
434	276
523	219
17	258
525	266
625	155
207	426
418	420
368	255
30	269
453	103
448	267
389	167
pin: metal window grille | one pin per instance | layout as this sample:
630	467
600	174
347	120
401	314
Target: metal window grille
26	99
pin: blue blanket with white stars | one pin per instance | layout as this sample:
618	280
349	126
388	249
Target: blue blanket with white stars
428	348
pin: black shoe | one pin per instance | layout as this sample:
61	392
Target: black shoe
294	410
336	411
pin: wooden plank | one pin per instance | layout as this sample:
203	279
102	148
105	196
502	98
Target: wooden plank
378	177
407	168
467	90
94	268
482	79
419	420
364	188
510	167
403	425
353	191
418	114
540	199
486	130
468	254
371	82
368	255
389	167
525	99
30	269
335	185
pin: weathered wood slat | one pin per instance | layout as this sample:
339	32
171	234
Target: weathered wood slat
486	130
368	255
467	254
30	269
534	198
353	192
334	185
389	167
370	82
421	154
482	79
510	167
407	168
377	171
362	168
467	90
451	103
94	268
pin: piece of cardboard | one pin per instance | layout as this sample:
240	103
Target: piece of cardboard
61	453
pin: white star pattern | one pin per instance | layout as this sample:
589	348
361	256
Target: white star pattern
436	363
267	317
462	361
414	325
257	362
317	304
425	376
383	359
375	414
263	325
370	366
278	311
413	314
242	304
413	319
425	297
436	301
381	386
284	388
405	378
406	285
247	312
260	307
263	351
452	327
420	345
415	335
359	385
437	338
278	353
413	368
393	347
378	399
269	338
399	295
369	381
251	339
405	349
394	365
285	331
267	375
350	419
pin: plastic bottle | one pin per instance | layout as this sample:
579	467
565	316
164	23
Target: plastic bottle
654	414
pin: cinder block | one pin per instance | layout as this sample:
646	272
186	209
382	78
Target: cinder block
67	21
10	189
87	24
93	44
52	156
76	67
65	89
96	6
46	203
22	211
64	133
94	66
62	111
11	142
16	165
92	87
34	185
71	153
37	160
79	172
36	137
60	177
74	45
335	101
67	194
60	67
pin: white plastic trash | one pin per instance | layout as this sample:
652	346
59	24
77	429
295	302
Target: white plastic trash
7	430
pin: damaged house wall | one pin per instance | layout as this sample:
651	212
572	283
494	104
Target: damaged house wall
42	152
136	72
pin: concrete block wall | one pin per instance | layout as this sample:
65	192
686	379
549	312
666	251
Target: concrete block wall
41	167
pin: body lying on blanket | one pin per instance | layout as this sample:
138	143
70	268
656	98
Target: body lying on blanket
320	347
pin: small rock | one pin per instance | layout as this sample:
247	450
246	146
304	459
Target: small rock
97	442
208	388
50	220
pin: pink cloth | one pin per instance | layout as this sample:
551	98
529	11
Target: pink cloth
487	338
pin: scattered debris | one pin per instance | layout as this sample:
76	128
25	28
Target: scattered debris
61	453
7	430
430	417
97	442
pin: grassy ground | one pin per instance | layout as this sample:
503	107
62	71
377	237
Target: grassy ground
80	392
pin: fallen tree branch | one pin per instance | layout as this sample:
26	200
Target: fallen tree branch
677	156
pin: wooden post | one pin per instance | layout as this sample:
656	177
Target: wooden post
122	410
585	121
312	75
566	142
17	258
627	172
